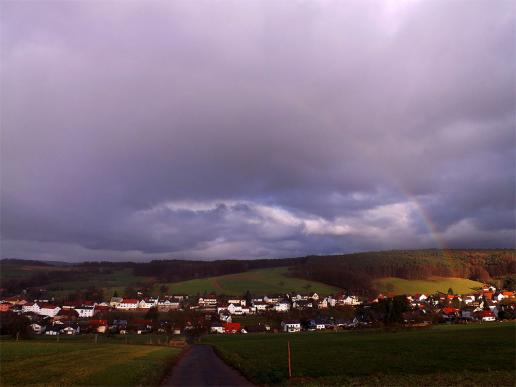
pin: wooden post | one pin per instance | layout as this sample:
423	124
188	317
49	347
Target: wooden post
17	335
96	337
289	361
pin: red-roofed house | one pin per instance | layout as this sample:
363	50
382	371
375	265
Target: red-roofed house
486	315
99	326
128	303
230	327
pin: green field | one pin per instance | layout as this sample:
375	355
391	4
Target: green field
477	354
258	282
71	362
393	285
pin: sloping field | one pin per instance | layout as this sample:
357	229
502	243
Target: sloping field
61	364
392	285
258	282
436	356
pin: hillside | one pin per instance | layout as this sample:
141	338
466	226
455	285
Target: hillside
260	282
358	272
362	273
395	286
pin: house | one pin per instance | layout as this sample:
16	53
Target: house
282	306
99	326
30	307
302	304
67	314
115	301
168	305
486	315
449	313
16	300
49	310
323	304
208	301
128	304
269	300
85	311
71	330
217	327
147	303
237	301
314	296
52	331
291	326
260	306
37	328
225	316
351	300
231	327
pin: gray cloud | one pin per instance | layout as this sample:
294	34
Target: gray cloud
140	130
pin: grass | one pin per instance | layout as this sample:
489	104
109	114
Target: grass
71	362
430	286
442	355
258	282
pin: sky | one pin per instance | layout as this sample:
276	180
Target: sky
138	130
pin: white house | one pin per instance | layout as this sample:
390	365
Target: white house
128	303
209	301
260	306
350	300
291	326
49	310
85	311
166	305
237	301
147	303
270	300
320	326
217	327
37	328
71	330
115	301
31	307
282	306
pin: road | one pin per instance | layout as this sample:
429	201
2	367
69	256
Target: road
200	366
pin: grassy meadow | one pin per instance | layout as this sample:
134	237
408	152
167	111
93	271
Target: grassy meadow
477	354
72	362
259	282
393	285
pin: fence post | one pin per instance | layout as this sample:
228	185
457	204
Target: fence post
289	361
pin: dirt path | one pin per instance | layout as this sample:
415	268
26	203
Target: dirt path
200	366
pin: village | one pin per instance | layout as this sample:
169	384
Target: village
290	312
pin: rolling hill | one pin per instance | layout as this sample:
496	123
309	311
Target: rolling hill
260	282
395	286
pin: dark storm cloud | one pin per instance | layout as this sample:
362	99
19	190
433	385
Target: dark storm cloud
239	129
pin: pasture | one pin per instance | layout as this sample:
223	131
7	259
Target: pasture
393	285
441	355
75	362
258	282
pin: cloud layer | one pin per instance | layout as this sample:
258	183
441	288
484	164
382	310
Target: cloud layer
255	129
